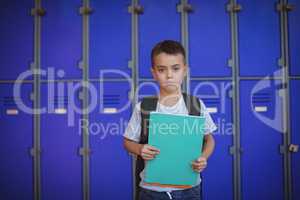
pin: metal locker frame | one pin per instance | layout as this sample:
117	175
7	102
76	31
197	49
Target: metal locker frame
85	150
37	12
235	150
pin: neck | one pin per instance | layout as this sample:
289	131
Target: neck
169	99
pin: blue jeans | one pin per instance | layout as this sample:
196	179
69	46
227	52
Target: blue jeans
187	194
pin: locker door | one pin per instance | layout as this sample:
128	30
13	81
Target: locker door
60	142
62	38
261	137
209	39
295	130
160	21
111	169
259	49
147	88
110	37
294	32
219	172
16	168
16	50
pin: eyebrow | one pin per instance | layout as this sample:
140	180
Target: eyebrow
162	66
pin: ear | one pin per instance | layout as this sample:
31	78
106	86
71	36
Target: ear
153	73
185	70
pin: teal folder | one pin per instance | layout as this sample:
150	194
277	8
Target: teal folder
179	139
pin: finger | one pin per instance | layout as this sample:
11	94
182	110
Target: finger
201	159
147	157
149	152
151	148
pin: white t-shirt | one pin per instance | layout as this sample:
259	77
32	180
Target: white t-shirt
133	130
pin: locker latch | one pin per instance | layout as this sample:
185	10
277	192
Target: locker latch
232	150
234	8
136	9
35	152
85	151
285	7
293	148
85	10
38	12
185	8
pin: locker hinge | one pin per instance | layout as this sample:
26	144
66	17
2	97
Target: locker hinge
187	8
293	148
283	149
280	62
80	64
136	9
32	66
35	152
232	150
85	10
130	64
234	8
38	12
230	93
80	95
32	96
85	151
230	63
281	7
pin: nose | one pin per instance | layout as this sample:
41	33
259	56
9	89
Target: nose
170	74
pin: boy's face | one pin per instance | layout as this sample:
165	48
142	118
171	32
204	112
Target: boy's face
169	71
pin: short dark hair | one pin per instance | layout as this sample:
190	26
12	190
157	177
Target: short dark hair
169	47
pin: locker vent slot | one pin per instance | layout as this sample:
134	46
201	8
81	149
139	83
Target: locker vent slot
110	102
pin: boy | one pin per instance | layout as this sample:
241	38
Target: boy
168	69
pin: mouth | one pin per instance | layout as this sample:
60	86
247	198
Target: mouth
170	84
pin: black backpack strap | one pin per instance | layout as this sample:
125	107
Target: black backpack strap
193	104
148	104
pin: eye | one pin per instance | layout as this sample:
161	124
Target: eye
176	68
161	70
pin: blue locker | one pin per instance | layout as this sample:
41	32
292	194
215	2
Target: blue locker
261	137
61	164
147	88
260	49
160	21
294	42
295	136
16	51
61	39
110	38
219	173
111	169
209	39
16	169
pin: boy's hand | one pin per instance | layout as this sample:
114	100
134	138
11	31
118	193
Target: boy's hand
200	164
148	152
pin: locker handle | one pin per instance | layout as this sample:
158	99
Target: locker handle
234	8
38	12
136	9
293	148
285	7
85	10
